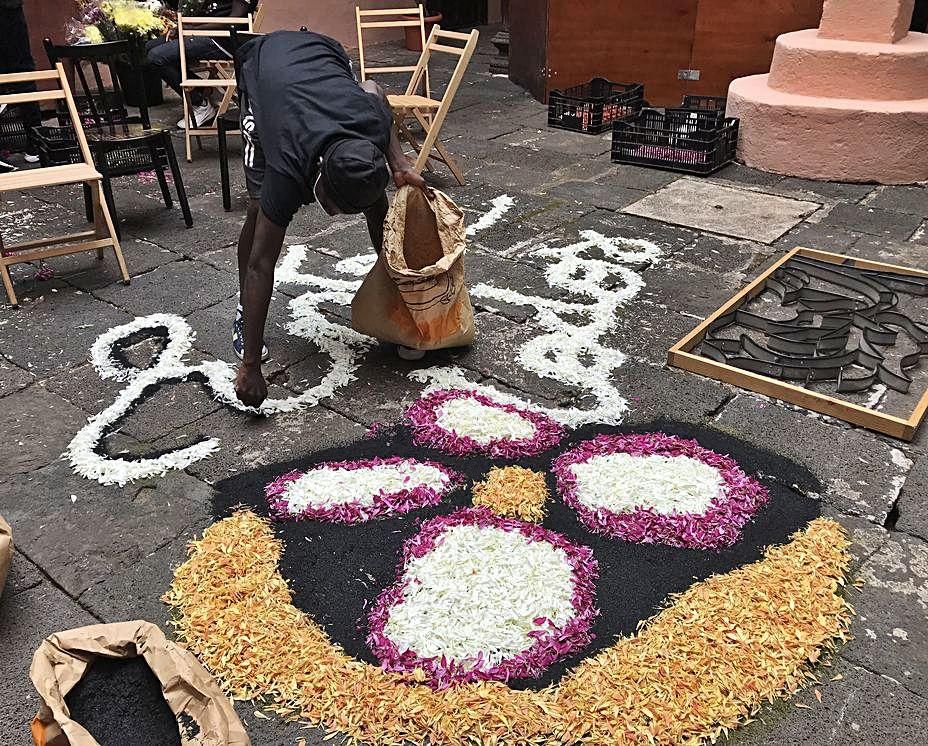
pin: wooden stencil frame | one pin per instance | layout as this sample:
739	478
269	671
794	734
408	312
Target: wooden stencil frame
681	356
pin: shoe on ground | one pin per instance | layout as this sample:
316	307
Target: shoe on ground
202	114
7	168
238	337
408	353
31	157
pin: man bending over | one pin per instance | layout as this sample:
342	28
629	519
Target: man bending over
311	134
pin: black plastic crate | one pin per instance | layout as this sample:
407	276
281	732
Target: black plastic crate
705	103
57	146
687	140
592	108
13	133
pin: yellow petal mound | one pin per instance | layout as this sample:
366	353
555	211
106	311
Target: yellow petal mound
513	492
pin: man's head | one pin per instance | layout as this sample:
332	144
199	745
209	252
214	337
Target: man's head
352	177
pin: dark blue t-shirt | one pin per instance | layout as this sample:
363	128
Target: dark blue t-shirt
304	96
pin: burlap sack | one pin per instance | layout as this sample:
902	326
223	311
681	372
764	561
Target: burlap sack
62	659
415	294
6	551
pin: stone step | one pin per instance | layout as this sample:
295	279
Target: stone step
830	138
808	64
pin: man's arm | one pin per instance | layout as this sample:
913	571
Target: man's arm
400	167
250	386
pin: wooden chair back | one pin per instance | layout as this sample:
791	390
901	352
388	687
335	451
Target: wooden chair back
101	105
452	43
257	16
103	235
390	18
189	27
61	94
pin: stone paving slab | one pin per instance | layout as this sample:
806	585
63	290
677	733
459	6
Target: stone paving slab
722	255
636	177
736	173
912	508
86	272
113	527
248	442
722	209
40	431
560	141
68	321
891	627
903	253
600	196
818	191
656	392
170	407
873	221
912	200
860	475
12	377
921	233
25	620
818	236
172	288
859	708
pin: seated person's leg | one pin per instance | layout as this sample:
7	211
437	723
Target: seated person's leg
165	57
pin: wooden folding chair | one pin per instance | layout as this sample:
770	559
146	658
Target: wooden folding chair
103	235
257	18
220	72
391	18
430	113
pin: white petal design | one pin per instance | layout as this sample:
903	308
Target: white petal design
478	593
482	423
623	482
329	486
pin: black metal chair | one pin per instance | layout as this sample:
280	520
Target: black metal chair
228	122
121	144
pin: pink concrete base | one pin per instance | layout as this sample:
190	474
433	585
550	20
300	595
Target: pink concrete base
833	139
885	21
807	64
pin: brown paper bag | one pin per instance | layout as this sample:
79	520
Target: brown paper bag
415	294
62	659
6	551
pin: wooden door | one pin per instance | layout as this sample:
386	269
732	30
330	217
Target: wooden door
646	41
734	39
528	45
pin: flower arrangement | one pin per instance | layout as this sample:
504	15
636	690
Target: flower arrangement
113	20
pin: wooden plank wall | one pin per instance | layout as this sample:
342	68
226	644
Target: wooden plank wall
737	39
623	40
559	43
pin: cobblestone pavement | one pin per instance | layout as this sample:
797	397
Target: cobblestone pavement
87	552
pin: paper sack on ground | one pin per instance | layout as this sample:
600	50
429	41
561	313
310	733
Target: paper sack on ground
204	715
415	294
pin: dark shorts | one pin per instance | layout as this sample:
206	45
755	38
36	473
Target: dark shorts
252	154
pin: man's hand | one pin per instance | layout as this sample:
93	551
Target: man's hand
413	178
250	387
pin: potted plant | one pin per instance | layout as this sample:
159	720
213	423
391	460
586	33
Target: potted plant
114	20
413	38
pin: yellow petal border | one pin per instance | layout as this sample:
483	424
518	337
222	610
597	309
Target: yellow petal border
704	664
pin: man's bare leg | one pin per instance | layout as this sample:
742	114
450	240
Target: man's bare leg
245	241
